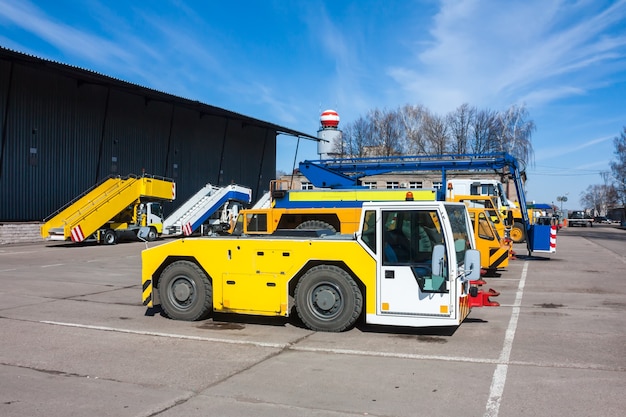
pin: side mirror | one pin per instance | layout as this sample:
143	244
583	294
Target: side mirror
438	263
472	265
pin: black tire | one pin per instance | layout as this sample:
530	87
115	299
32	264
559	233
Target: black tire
328	299
186	292
316	225
518	233
152	235
110	237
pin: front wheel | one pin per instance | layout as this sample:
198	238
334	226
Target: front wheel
328	299
518	234
186	292
152	235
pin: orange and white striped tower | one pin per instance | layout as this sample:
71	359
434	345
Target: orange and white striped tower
329	134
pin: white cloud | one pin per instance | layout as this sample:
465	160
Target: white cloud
63	37
492	56
560	150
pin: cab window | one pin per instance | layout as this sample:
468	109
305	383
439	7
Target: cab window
257	222
368	233
484	228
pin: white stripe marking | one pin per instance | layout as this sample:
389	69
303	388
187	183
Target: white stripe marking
168	335
280	345
499	375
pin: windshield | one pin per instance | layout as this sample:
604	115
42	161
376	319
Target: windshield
409	236
460	228
502	195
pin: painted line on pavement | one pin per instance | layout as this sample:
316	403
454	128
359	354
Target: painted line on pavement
168	335
289	346
499	375
51	265
395	355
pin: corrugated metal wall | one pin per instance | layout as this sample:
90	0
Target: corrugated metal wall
61	135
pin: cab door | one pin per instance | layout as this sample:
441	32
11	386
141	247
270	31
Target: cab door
407	284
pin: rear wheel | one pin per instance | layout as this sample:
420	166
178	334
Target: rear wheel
110	237
316	225
186	292
328	299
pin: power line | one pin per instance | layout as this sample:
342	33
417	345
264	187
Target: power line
549	174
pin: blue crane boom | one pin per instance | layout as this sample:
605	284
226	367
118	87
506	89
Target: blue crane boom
347	172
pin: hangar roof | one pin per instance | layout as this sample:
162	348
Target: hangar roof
92	77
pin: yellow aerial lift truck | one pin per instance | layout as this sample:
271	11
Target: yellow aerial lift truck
334	210
489	204
117	208
409	264
494	252
491	188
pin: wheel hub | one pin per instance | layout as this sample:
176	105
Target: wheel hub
325	299
182	291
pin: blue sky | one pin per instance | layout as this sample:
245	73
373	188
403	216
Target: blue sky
287	61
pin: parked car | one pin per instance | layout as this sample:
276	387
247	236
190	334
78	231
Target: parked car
601	219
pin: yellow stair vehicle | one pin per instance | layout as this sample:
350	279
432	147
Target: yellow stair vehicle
409	264
119	207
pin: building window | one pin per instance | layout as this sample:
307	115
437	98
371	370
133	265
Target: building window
437	185
370	184
415	184
306	186
392	185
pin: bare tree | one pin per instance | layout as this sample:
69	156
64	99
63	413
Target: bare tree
460	123
483	131
436	134
387	134
618	168
413	129
598	198
356	138
411	119
514	133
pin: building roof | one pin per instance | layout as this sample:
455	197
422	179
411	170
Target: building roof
93	77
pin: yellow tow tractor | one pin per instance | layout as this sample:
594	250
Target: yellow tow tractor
384	274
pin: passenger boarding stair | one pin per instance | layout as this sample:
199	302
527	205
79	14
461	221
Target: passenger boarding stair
264	202
93	209
201	206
